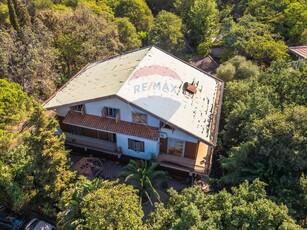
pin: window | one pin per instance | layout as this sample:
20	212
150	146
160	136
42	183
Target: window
175	147
140	118
136	145
110	112
77	108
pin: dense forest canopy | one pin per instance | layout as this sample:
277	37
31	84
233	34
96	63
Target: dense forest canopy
263	131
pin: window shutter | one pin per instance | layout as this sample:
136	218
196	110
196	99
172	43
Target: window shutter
83	109
104	112
117	116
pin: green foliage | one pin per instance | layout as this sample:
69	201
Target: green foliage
98	7
76	43
226	72
28	58
274	151
289	84
295	21
166	32
265	49
288	18
252	39
237	68
144	177
201	22
43	4
182	7
14	105
245	207
137	11
22	13
13	16
100	205
4	14
127	34
158	5
34	164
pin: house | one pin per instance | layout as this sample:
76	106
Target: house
300	52
145	104
207	64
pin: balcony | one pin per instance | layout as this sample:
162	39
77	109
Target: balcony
201	165
92	143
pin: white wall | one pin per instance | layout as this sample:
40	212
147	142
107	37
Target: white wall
178	135
62	111
94	108
151	147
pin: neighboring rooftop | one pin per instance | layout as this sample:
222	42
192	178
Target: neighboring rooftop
207	64
300	51
156	82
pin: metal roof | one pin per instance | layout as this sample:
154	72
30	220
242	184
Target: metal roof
97	80
299	50
154	81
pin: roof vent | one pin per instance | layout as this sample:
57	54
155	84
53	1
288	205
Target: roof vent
190	88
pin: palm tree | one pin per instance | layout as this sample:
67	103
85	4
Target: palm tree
144	177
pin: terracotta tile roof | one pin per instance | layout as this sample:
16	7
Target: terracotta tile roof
110	125
299	50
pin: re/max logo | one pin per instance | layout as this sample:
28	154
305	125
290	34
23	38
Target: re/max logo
146	86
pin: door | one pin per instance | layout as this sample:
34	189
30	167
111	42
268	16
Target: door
163	145
175	147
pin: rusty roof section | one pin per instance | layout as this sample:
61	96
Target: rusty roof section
110	125
300	51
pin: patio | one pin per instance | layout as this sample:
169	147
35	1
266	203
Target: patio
110	169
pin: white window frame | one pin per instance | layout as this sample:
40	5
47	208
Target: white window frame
79	108
136	145
141	121
175	139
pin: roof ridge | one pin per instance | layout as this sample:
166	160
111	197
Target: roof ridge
132	72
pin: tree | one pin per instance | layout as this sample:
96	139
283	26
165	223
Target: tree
265	49
286	17
226	72
166	32
237	68
76	43
137	11
127	34
13	17
295	20
275	151
252	39
201	23
158	5
288	84
100	205
28	59
144	178
245	207
34	164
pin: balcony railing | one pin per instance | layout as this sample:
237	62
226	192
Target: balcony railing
92	143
